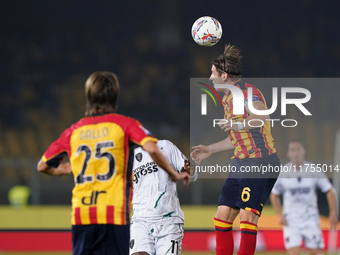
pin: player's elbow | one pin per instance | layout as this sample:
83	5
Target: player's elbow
262	118
42	166
331	192
150	147
272	198
266	118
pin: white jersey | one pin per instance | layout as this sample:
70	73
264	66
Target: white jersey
155	196
299	193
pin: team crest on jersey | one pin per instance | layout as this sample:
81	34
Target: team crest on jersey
139	157
132	243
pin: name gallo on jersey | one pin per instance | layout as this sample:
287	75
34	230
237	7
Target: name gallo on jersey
148	168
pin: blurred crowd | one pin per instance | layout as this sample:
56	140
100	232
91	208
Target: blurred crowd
43	70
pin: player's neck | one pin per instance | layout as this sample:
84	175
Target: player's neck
298	165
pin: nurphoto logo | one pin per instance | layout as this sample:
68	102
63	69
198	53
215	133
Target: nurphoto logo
240	104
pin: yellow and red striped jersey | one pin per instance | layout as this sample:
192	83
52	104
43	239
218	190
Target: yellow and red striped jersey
253	143
100	149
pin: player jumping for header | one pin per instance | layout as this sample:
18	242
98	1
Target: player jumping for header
253	146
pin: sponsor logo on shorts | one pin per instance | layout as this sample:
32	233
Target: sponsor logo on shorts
132	243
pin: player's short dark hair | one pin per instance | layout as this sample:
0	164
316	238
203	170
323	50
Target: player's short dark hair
296	141
101	90
229	62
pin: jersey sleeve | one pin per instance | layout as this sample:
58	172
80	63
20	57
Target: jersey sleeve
323	183
175	157
58	150
278	188
256	97
139	134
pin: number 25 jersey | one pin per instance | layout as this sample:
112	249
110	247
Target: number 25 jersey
100	150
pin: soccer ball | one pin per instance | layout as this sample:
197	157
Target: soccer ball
206	31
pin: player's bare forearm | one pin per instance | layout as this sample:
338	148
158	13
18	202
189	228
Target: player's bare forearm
275	201
223	145
158	157
62	169
331	199
202	152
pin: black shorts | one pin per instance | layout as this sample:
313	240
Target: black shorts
249	192
101	239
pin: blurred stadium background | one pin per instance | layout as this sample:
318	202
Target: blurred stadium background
49	48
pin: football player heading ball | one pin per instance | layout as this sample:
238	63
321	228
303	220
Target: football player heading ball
252	145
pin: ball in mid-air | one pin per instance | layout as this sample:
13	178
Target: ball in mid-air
206	31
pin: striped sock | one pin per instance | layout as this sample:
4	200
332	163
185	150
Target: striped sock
248	238
224	237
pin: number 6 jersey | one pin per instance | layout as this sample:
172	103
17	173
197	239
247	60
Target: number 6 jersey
100	149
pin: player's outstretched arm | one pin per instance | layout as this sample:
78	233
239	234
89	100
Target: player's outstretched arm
202	152
158	157
62	169
276	203
331	199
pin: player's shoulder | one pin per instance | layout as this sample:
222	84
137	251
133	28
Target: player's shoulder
68	131
162	144
138	149
109	117
119	119
244	86
165	146
255	91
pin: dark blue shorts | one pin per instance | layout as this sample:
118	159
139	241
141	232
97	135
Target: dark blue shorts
101	239
249	191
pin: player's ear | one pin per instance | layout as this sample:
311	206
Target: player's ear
225	76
